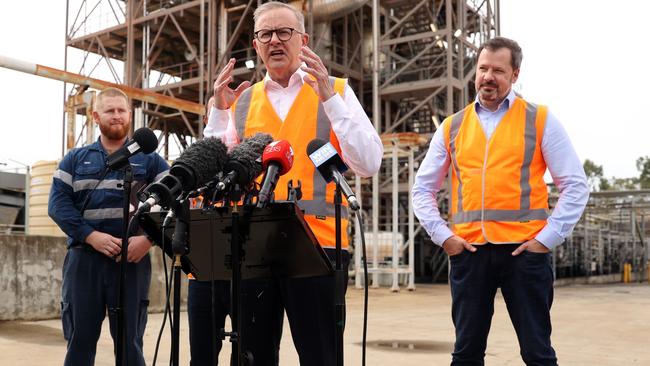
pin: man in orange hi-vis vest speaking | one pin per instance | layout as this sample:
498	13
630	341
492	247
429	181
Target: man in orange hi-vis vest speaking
501	232
297	101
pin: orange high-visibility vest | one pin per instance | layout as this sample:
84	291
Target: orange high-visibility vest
305	121
498	193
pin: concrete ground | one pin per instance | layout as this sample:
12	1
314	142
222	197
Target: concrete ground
593	325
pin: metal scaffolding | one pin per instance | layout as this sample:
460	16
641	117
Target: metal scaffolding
612	232
166	47
423	70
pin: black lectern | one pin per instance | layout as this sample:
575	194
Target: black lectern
276	240
272	241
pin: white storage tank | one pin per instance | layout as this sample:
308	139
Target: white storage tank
39	223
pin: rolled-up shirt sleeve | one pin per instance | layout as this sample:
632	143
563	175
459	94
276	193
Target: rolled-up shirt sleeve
428	181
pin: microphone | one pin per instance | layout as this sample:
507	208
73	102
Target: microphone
277	159
196	165
244	163
144	140
330	165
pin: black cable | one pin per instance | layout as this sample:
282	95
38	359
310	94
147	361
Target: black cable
365	290
213	300
167	296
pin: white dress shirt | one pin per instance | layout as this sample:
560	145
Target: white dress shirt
361	147
560	157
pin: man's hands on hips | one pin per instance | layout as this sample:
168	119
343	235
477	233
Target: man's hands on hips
106	244
316	68
138	247
533	246
455	245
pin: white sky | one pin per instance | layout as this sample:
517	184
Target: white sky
586	60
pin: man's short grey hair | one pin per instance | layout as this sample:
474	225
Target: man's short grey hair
271	5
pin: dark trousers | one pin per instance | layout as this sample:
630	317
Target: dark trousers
257	335
90	285
526	282
308	302
204	328
310	308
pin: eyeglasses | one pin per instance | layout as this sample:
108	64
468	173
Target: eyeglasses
284	34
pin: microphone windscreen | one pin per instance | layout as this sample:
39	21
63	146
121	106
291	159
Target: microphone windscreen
279	152
246	158
146	139
205	158
314	145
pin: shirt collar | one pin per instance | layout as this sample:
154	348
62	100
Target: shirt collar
506	102
97	145
296	78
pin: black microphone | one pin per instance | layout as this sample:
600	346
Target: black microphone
144	140
330	165
245	162
196	165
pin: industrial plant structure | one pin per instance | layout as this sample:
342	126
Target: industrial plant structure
411	62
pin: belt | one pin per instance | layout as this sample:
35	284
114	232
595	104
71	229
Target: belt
84	246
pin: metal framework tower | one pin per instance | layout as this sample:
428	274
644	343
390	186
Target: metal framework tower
426	65
422	71
168	47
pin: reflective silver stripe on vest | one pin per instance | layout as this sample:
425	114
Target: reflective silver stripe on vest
456	121
64	176
244	102
241	111
524	214
317	206
501	215
312	207
103	213
530	142
323	126
84	184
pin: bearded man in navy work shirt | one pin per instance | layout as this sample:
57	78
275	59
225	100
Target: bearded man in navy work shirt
91	268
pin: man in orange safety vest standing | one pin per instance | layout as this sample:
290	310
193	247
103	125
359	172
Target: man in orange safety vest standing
500	233
297	101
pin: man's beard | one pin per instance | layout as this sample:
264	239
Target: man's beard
114	132
493	86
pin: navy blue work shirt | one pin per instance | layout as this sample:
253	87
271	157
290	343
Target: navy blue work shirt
77	174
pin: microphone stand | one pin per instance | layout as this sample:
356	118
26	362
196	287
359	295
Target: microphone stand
237	357
121	356
339	278
179	249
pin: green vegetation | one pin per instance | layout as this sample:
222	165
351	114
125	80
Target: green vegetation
598	181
